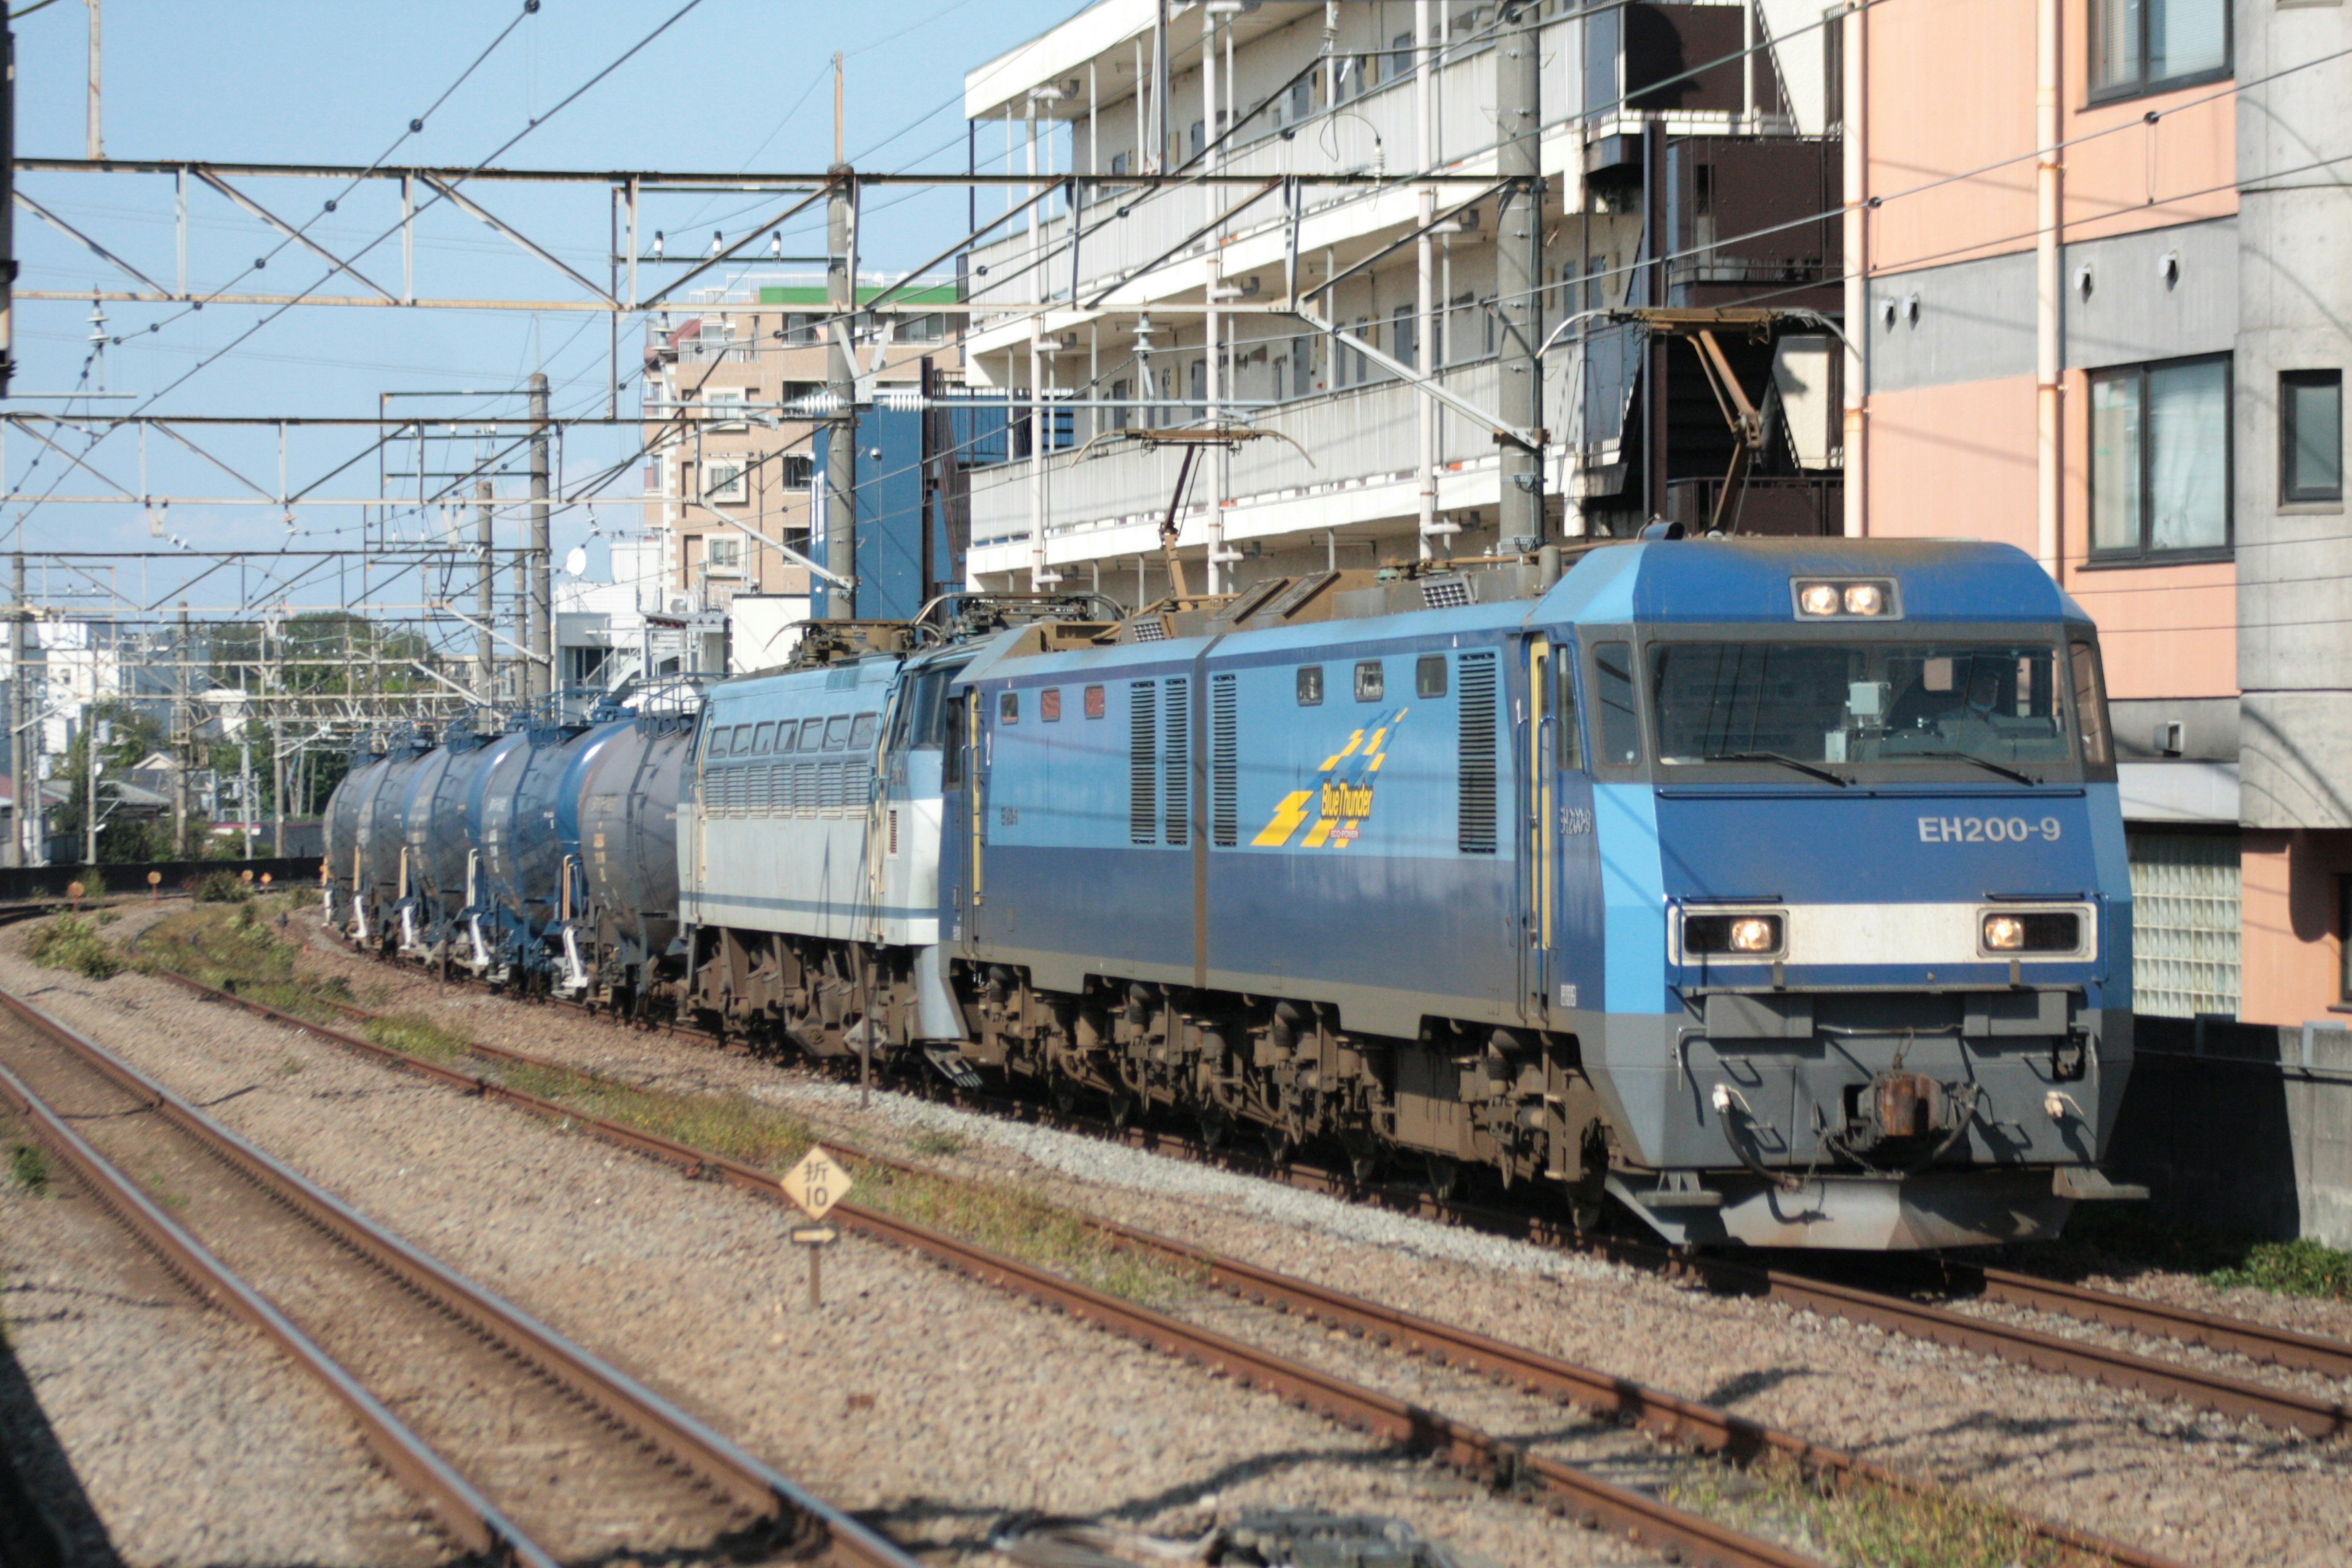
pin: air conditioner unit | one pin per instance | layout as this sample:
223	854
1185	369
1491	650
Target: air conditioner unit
682	604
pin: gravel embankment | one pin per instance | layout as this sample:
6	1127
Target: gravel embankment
2189	1484
151	1431
937	1405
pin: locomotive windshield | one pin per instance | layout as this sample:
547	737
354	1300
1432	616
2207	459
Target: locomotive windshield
1997	705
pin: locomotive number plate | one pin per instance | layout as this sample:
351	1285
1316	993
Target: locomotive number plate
1988	829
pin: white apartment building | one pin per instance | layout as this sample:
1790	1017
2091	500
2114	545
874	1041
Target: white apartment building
1367	467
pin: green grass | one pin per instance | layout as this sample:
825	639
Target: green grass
2300	1267
2125	1239
931	1144
28	1167
1862	1524
72	941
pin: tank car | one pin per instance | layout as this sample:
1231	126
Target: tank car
616	823
441	841
366	835
1773	889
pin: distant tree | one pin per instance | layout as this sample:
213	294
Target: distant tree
121	837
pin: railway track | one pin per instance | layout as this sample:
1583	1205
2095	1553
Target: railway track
1687	1423
525	1448
2239	1398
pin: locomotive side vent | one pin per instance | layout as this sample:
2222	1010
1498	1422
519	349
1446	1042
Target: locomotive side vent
1224	812
1444	593
1142	762
1477	829
1176	752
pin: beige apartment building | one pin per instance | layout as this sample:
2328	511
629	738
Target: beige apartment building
733	385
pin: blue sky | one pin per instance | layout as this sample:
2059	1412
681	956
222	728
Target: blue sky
733	85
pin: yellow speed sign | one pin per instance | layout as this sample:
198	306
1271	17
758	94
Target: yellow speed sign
816	1184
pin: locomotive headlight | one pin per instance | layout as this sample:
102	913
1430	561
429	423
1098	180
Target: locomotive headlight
2032	930
1817	599
1865	599
1750	936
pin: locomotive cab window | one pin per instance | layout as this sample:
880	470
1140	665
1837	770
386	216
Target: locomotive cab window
1370	685
764	738
716	746
836	733
1310	685
1620	721
1429	675
1992	706
1568	740
1008	707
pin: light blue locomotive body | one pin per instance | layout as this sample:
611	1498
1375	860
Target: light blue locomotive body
1776	890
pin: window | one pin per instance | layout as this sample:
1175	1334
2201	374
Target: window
2344	939
1049	705
1310	685
717	745
2091	705
722	483
787	735
1302	97
1570	743
1429	676
725	405
2311	436
764	738
2160	458
836	732
1402	337
722	552
861	731
1093	701
800	472
742	743
1302	365
586	666
1369	682
1120	162
2139	45
1008	707
1621	726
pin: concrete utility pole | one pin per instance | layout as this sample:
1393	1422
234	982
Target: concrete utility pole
91	729
542	641
18	748
278	780
245	783
841	381
184	740
96	141
1426	356
1519	265
486	669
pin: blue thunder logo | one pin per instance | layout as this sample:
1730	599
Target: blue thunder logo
1342	798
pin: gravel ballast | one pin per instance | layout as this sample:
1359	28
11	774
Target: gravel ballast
2190	1484
150	1430
937	1406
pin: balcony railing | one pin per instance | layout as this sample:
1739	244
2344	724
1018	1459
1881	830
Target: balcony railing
1365	436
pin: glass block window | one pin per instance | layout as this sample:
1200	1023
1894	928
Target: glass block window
2185	922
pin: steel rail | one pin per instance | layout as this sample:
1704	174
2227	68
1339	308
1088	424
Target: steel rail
2158	1319
827	1534
1594	1501
470	1520
1668	1417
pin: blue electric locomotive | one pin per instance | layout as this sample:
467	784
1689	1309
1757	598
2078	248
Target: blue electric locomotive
1774	889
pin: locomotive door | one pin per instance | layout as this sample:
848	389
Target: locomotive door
963	789
1543	850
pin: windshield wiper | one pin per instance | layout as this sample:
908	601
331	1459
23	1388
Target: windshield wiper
2007	773
1821	773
